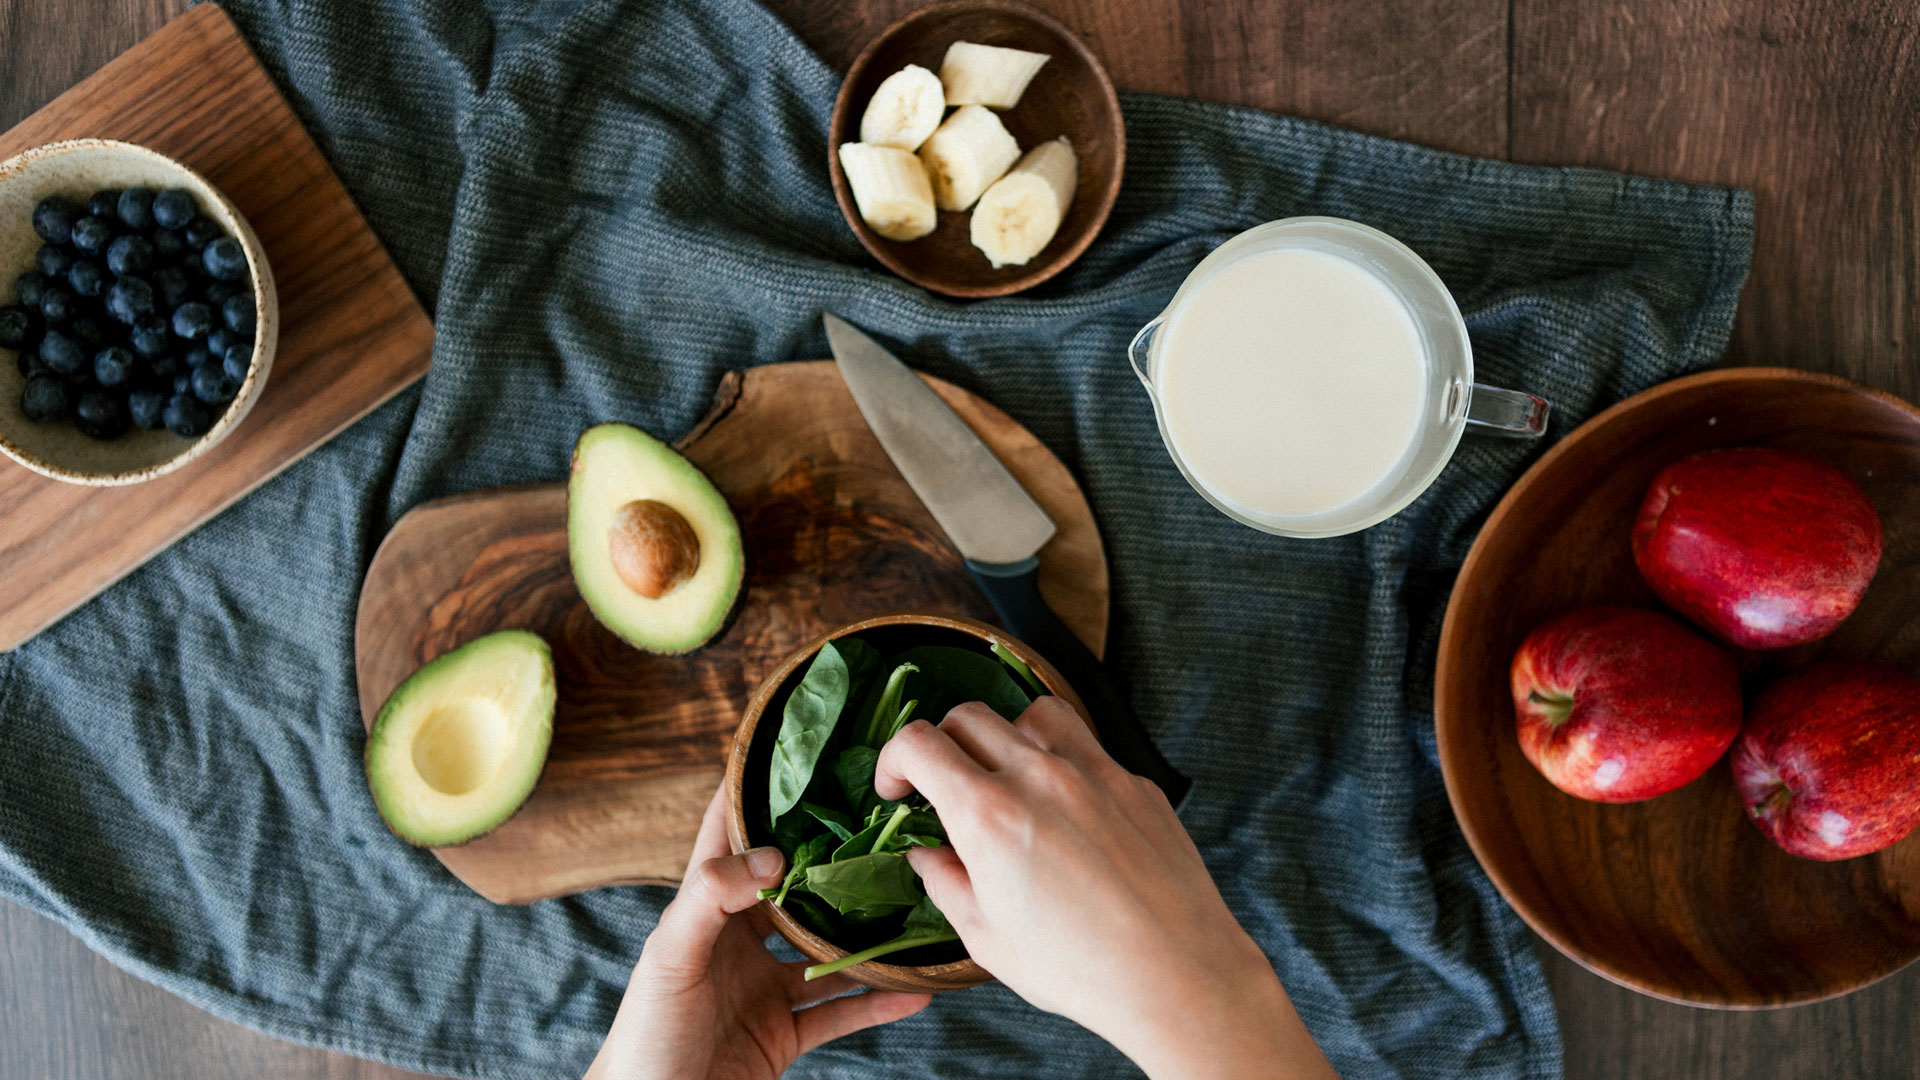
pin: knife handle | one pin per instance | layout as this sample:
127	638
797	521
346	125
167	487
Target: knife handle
1014	591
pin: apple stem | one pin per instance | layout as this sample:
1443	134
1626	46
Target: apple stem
1557	706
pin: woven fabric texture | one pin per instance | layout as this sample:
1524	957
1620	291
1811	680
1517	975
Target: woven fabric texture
607	205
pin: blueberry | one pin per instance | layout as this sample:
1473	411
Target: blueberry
91	235
149	337
16	327
225	259
183	382
192	320
86	277
186	417
211	386
136	208
219	292
161	370
218	341
88	331
171	287
46	398
113	366
130	255
237	312
105	203
144	408
28	287
129	298
58	304
53	219
200	232
100	415
61	353
196	356
235	362
173	208
169	244
26	362
53	261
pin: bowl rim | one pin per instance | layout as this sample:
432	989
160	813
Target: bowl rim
956	974
841	114
265	311
1453	629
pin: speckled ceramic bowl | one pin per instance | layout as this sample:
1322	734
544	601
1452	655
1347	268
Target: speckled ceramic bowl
77	169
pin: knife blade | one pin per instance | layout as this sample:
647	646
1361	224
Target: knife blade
979	505
997	527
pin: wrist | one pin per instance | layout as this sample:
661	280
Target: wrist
1230	1021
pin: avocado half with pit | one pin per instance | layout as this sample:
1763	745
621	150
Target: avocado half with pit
460	744
655	549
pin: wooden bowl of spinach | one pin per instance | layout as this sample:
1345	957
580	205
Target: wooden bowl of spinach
803	781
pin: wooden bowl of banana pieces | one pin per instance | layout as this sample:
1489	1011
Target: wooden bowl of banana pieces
976	148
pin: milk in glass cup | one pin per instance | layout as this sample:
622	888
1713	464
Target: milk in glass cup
1312	377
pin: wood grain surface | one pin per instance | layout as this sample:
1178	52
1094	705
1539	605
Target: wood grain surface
1680	895
1810	102
351	333
833	534
1071	97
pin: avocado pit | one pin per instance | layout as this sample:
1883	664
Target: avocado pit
654	549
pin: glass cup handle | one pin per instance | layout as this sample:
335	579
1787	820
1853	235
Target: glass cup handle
1138	352
1507	413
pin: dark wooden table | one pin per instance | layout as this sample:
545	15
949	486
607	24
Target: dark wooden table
1815	104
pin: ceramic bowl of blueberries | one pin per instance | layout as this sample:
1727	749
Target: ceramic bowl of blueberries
136	309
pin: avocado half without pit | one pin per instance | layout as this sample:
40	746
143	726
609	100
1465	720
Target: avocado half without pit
460	744
655	549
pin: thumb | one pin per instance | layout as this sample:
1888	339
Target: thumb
713	893
948	885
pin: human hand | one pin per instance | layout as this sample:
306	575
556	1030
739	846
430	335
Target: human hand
1071	880
708	1001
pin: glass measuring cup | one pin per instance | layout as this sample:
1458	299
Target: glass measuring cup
1451	402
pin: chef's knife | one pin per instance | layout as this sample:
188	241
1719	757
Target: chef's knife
996	526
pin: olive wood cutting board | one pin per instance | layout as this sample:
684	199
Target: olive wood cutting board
351	333
832	535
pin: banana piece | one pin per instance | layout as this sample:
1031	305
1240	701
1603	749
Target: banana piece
904	110
890	188
967	154
988	74
1019	214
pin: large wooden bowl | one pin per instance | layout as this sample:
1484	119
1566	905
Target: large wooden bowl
1071	96
1678	897
753	749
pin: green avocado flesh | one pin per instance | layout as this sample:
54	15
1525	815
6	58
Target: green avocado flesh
686	549
459	745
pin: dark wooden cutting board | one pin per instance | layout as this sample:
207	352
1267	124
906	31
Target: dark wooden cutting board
351	333
833	534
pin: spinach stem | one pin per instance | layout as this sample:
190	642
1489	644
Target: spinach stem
899	944
893	824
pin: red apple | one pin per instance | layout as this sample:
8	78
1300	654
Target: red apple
1621	704
1829	763
1764	548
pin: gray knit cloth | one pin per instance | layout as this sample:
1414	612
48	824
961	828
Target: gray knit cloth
609	204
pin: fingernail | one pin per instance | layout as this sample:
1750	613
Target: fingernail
765	861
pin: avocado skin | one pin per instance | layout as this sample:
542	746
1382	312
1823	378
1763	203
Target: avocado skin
679	482
420	687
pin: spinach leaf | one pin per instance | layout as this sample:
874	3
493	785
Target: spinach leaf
839	824
950	676
861	843
879	720
809	854
925	925
815	915
918	828
854	769
868	884
807	723
1020	668
863	665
